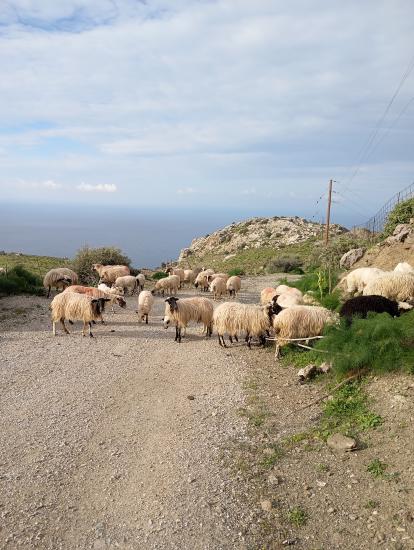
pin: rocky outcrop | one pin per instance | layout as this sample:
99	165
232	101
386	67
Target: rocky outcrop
276	232
350	257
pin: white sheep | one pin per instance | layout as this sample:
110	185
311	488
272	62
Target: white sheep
127	283
202	280
267	295
167	284
140	281
2	271
218	287
59	278
145	303
215	275
355	281
289	299
181	312
280	289
233	318
189	276
404	267
109	273
233	285
176	271
392	285
111	291
112	296
76	307
299	322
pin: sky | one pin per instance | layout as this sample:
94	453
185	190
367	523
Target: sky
207	103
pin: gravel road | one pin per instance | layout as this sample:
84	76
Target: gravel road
117	441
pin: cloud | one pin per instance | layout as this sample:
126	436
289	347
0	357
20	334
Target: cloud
186	191
47	185
270	93
249	191
99	188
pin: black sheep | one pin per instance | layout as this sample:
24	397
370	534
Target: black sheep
362	305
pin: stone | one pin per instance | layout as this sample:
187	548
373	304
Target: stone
351	257
341	442
266	505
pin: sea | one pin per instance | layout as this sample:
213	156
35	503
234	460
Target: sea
149	236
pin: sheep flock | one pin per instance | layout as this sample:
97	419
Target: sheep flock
283	313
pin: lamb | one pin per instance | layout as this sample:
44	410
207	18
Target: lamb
299	322
392	285
93	292
218	287
362	305
181	312
127	283
167	284
59	278
233	318
189	276
109	273
233	285
145	303
267	295
76	307
357	280
404	267
140	281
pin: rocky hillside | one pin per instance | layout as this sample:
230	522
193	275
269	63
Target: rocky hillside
255	233
399	247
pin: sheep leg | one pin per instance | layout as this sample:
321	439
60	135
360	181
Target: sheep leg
48	292
222	342
209	331
176	333
277	351
231	339
90	329
146	318
236	338
62	322
179	335
54	328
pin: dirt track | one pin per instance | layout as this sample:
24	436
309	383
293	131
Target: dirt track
102	443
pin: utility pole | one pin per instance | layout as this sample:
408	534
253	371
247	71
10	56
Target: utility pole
328	213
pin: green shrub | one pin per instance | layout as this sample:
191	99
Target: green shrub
319	282
20	281
401	213
285	264
236	271
159	275
378	344
86	256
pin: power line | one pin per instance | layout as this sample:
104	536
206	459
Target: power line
371	138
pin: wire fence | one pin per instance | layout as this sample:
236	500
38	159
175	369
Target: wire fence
376	223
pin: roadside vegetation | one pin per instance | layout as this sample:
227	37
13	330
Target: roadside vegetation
19	280
37	265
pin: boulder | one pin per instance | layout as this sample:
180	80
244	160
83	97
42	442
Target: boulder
341	442
351	257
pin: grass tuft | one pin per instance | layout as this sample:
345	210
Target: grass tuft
297	516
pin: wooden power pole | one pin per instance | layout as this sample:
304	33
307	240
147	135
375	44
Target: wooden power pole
328	213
